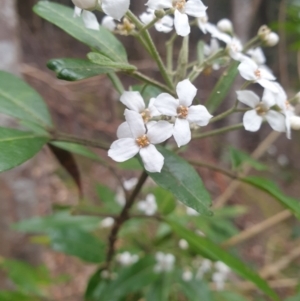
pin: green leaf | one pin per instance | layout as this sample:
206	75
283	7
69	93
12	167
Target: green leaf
159	289
131	164
17	147
196	290
19	100
129	280
76	69
61	219
180	178
205	246
200	52
101	40
222	87
101	60
229	296
27	278
147	91
165	200
16	296
79	243
272	189
77	149
239	157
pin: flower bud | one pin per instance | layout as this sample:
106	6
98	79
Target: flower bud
160	13
263	32
86	4
272	39
225	25
295	122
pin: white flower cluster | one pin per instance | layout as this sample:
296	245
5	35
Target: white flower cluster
140	132
127	259
148	206
164	262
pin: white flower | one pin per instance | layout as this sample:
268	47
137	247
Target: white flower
191	212
295	122
257	55
212	49
164	262
141	141
187	276
109	23
107	222
86	4
222	267
148	206
205	267
120	196
220	276
129	184
272	39
165	24
116	8
127	259
203	24
250	71
183	244
183	8
89	19
252	119
225	25
183	111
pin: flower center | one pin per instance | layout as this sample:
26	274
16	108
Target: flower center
179	4
146	115
182	112
261	110
126	27
142	141
257	73
287	105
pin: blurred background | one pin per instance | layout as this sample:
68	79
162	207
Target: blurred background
89	108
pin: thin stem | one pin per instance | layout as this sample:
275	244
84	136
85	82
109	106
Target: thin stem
116	82
151	49
169	49
122	218
140	76
149	25
218	131
255	41
78	140
183	60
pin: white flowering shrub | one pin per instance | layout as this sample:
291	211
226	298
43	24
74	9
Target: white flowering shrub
158	236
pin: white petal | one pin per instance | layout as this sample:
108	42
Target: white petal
182	132
166	104
160	132
199	115
247	69
90	20
77	12
181	23
123	149
159	4
276	121
109	23
153	160
165	24
257	55
124	131
252	121
115	8
136	123
147	17
152	109
266	73
133	101
248	98
269	98
195	8
268	85
186	92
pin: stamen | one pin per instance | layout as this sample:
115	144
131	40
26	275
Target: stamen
179	4
126	27
146	115
257	73
182	112
261	110
142	141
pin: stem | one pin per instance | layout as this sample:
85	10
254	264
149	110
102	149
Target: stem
169	49
78	140
140	76
183	60
218	131
255	41
149	25
151	49
122	218
116	82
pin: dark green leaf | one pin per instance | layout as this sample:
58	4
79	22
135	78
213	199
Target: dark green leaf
272	189
165	200
79	243
159	289
147	91
76	69
222	87
180	178
103	40
19	100
101	60
196	290
61	219
205	246
239	157
17	147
